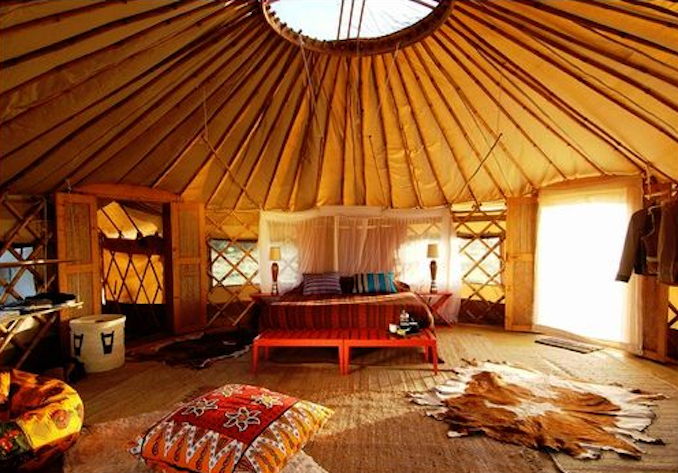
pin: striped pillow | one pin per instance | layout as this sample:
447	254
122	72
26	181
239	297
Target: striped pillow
321	283
372	283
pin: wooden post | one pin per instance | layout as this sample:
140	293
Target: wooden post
521	237
186	266
654	309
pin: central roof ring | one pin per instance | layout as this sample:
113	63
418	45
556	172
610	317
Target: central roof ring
363	46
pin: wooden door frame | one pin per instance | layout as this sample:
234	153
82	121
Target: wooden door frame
169	200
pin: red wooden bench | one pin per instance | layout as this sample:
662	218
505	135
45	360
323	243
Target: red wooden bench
299	338
375	338
344	340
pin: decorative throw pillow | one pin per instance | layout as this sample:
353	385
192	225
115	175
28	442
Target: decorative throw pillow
233	428
321	283
346	283
373	283
40	418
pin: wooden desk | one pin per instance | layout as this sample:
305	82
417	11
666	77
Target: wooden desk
11	325
435	301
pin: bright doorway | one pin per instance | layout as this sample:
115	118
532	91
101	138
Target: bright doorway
580	237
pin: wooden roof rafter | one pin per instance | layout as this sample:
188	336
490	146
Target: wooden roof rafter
601	90
476	115
596	25
154	72
631	156
418	126
297	74
270	87
313	92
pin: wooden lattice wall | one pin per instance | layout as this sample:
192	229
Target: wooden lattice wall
132	253
24	236
481	230
132	269
233	265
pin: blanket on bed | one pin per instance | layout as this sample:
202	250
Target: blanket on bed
345	311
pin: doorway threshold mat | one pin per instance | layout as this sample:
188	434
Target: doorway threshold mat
572	345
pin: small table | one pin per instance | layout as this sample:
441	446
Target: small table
435	301
255	298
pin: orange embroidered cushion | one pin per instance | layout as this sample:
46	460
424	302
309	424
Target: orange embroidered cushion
231	429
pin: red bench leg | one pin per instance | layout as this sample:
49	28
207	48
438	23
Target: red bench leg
255	356
434	353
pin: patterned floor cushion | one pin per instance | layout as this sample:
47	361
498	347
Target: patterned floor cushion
235	428
39	419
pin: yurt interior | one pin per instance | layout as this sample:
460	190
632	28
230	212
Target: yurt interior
339	236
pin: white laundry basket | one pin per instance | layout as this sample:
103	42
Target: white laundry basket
98	341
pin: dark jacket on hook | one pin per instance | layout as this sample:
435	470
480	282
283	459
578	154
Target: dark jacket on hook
651	246
668	244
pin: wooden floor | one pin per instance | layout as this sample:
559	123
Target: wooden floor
375	428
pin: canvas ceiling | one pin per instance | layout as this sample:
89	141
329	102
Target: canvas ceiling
205	99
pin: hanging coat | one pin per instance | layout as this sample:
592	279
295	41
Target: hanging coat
651	246
640	248
667	251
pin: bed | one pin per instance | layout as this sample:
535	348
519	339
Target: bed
295	311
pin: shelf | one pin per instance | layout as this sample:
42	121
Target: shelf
55	308
34	262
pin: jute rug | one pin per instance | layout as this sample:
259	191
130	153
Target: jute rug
376	428
102	448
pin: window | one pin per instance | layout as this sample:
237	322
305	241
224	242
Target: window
234	262
481	260
19	283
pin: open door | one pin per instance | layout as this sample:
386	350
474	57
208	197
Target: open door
186	266
79	256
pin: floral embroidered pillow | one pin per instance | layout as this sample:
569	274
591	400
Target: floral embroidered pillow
231	429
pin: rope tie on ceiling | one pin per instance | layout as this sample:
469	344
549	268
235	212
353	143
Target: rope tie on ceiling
480	165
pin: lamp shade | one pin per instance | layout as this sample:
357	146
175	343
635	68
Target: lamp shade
274	253
432	250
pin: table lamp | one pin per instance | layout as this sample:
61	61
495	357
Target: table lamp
432	253
274	255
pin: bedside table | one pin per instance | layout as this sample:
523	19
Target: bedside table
264	298
256	298
435	301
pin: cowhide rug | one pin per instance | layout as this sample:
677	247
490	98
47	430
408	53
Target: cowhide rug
542	411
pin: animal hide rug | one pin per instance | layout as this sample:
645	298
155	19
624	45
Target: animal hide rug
542	411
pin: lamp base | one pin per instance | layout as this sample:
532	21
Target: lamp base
434	271
274	278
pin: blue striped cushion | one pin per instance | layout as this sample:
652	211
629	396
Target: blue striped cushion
372	283
321	283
